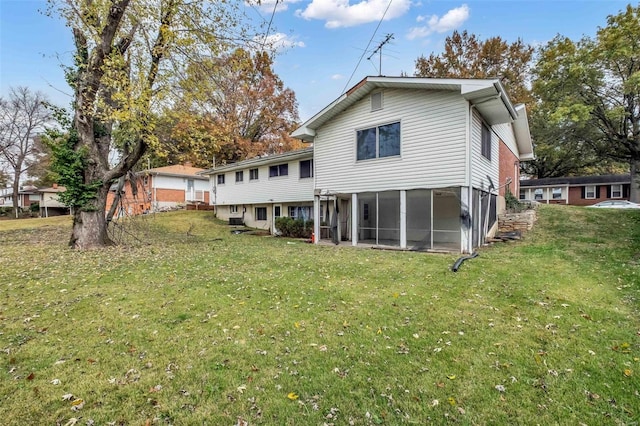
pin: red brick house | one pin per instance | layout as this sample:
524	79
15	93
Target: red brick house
576	190
163	188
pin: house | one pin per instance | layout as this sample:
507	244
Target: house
415	163
255	192
27	195
576	190
50	204
162	188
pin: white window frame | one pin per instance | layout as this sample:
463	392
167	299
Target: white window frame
257	218
486	142
240	176
556	191
254	174
310	168
233	208
618	190
540	192
590	189
279	170
377	141
220	179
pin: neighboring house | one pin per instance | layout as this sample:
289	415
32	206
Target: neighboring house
162	188
256	191
577	190
26	196
415	163
50	204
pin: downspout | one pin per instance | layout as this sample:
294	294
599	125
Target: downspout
469	179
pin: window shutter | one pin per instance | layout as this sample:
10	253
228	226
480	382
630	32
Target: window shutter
608	191
626	191
598	188
583	192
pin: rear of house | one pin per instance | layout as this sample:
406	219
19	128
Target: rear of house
576	190
255	192
415	163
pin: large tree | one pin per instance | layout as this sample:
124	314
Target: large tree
128	53
231	107
466	56
595	82
23	115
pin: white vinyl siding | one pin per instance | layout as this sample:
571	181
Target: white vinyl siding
482	168
506	135
433	134
263	191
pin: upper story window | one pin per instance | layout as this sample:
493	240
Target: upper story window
378	142
220	179
306	169
486	142
239	176
616	191
279	170
253	174
590	192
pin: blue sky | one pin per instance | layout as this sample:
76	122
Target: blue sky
326	40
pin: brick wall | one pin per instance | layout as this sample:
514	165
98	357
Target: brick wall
169	195
509	168
576	199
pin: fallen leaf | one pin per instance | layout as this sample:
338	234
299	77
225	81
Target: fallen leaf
628	372
67	397
31	376
55	382
452	400
292	396
451	376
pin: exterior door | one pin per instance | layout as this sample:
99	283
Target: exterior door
277	212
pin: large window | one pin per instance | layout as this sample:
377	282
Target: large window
301	212
220	179
556	193
279	170
253	174
239	176
616	191
486	142
306	169
261	213
590	192
378	142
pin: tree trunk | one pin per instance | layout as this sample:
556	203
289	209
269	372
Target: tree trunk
16	193
634	193
90	227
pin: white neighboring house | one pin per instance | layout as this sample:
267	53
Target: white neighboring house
414	163
256	191
50	204
175	185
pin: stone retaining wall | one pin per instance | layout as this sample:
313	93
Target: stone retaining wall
523	221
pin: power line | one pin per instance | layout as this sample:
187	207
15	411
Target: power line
367	48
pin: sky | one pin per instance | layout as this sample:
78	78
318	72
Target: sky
326	46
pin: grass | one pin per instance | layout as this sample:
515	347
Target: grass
191	324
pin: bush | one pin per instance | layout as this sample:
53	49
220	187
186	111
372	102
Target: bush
34	207
5	211
513	204
295	228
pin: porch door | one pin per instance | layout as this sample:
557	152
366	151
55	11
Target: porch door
277	212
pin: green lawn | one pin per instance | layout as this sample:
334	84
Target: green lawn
190	324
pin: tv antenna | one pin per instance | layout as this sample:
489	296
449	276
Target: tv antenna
388	38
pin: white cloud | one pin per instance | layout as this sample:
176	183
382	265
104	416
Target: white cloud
337	77
340	13
267	6
280	41
449	21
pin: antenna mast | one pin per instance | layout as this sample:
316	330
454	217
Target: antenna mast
379	49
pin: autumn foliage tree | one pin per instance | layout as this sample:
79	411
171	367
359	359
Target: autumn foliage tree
230	107
128	54
466	56
595	82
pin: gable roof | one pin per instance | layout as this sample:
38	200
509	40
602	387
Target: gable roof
262	161
177	170
577	180
487	95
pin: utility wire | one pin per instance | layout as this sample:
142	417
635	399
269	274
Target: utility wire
367	48
266	35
